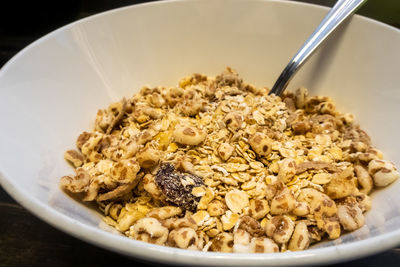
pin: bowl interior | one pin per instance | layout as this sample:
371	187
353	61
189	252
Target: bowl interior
51	91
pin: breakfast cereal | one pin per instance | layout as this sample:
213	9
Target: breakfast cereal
217	164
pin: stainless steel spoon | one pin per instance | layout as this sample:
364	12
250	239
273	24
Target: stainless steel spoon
339	12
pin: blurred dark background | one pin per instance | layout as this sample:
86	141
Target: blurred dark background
24	21
27	241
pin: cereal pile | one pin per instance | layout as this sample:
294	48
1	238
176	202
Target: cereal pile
215	164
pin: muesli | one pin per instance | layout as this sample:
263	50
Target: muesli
216	164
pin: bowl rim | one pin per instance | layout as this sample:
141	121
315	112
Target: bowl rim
163	254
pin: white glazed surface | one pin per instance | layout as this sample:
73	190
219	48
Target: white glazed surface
50	92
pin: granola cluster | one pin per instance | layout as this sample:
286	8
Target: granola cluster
215	164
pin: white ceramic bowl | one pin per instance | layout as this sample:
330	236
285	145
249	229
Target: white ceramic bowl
51	90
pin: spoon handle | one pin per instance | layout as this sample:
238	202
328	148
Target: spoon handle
339	12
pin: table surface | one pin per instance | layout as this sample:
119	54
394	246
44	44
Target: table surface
26	240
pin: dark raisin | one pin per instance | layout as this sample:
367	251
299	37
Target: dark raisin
177	186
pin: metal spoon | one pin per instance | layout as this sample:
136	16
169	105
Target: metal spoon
339	12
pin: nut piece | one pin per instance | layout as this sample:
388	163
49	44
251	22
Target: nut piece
300	239
287	169
263	245
223	242
225	151
74	157
301	127
149	230
279	228
383	172
251	226
216	208
258	208
164	212
364	179
261	144
148	157
183	238
236	200
283	202
188	135
350	217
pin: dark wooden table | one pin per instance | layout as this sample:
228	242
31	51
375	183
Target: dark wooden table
26	240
